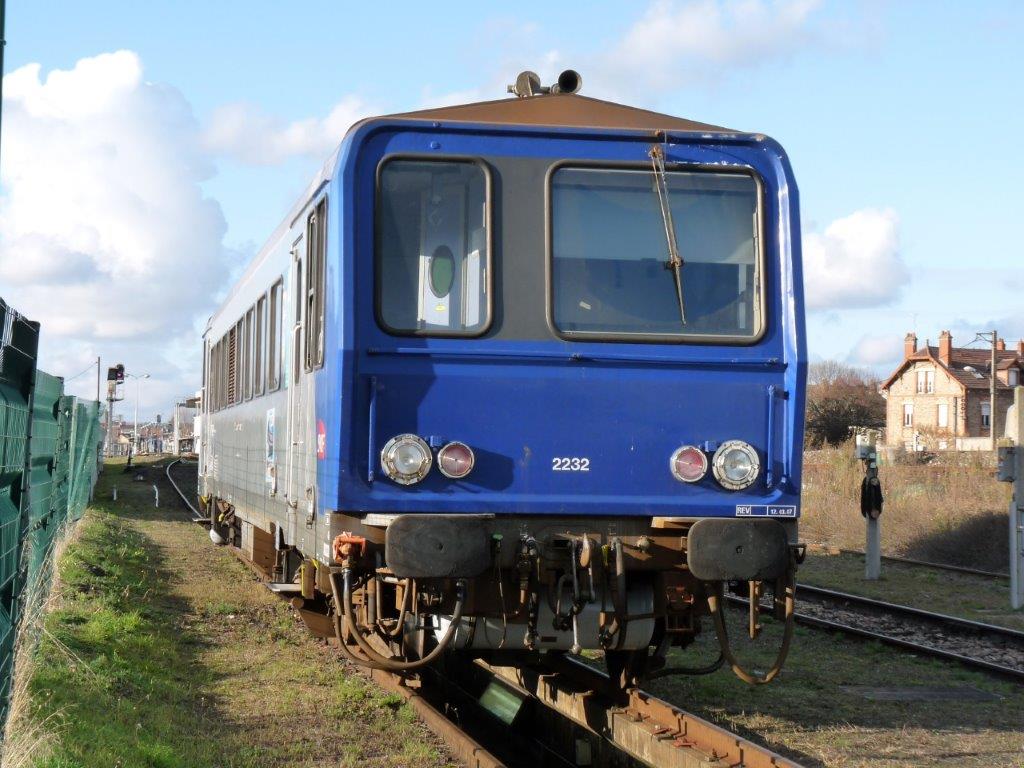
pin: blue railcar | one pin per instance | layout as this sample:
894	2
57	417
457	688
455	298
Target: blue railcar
530	370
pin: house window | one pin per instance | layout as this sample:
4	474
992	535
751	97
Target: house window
920	382
908	414
929	379
1013	377
943	416
986	415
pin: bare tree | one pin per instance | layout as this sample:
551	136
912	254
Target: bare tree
840	396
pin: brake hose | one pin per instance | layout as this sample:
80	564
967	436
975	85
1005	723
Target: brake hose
374	659
715	600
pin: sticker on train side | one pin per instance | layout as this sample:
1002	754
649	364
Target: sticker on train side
765	510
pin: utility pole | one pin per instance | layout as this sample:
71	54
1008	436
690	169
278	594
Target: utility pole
993	413
993	416
138	387
115	376
3	44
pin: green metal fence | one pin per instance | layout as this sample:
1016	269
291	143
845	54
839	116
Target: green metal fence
49	460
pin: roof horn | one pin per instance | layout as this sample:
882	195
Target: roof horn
528	84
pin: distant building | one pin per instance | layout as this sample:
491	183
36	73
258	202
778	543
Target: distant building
155	437
184	420
938	397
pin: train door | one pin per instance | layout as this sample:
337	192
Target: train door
294	482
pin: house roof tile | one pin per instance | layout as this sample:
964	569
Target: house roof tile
960	360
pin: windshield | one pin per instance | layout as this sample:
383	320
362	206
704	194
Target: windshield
611	275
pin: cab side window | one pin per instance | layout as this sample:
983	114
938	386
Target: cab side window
315	286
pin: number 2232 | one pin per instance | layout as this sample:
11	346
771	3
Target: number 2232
570	464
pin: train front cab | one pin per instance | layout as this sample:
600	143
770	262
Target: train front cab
631	423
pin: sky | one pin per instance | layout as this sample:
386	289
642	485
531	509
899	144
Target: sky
148	149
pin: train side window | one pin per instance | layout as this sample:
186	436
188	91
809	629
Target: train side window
222	361
236	396
275	337
218	377
210	390
213	403
232	366
260	347
225	358
316	236
433	251
247	369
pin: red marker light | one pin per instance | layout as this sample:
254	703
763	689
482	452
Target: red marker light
455	460
688	464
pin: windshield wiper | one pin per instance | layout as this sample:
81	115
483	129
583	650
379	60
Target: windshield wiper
675	261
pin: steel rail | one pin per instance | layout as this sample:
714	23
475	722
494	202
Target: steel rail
931	564
638	723
939	619
936	619
563	711
196	515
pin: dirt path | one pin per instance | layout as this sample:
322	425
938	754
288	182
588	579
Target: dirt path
211	669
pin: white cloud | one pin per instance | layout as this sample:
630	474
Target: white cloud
855	263
246	133
105	235
874	351
677	42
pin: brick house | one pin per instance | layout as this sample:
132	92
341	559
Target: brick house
938	397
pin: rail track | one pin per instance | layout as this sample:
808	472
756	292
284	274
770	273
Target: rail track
557	712
196	515
937	566
995	649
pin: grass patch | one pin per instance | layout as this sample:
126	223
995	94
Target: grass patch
952	510
110	664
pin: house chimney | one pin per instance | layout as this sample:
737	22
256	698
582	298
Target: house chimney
945	347
910	344
1020	348
1000	345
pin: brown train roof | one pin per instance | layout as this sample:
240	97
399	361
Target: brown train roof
561	110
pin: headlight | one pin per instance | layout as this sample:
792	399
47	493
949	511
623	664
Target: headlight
688	464
735	465
406	459
455	460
